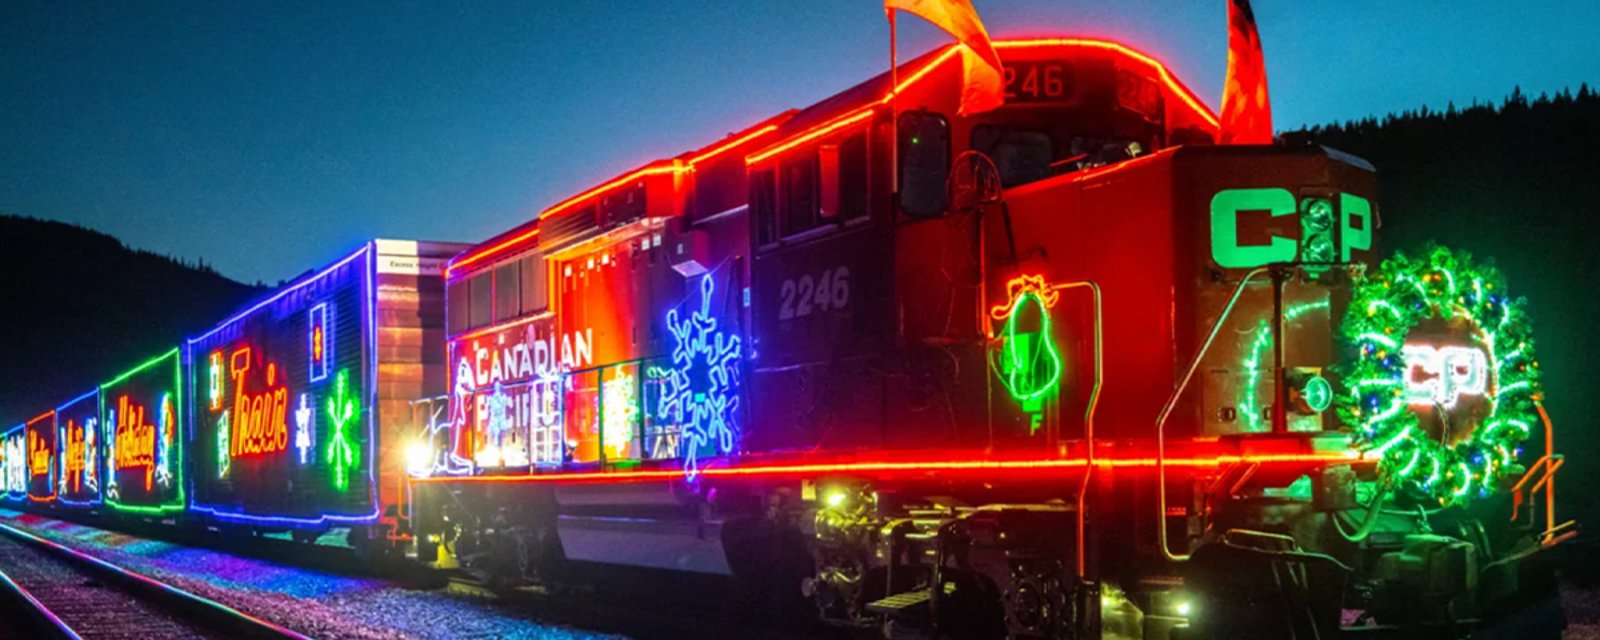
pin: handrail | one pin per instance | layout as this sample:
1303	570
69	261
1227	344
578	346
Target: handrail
1088	414
1542	473
1166	411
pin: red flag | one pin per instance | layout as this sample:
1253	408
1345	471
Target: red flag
1246	109
983	87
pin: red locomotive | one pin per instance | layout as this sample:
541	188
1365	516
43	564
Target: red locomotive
1061	369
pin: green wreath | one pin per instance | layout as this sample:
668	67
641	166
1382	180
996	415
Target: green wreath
1443	287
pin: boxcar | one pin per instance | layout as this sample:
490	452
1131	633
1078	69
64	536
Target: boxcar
296	398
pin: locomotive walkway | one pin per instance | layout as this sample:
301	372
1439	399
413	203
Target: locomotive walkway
52	591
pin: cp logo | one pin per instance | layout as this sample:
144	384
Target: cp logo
1439	376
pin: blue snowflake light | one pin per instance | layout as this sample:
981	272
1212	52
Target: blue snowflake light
701	393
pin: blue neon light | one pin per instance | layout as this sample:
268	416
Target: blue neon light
702	391
369	304
91	445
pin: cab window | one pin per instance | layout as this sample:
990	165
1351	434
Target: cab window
1021	155
924	163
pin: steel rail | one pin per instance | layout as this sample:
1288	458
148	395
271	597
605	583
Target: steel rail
197	608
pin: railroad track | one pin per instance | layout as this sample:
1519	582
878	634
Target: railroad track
50	591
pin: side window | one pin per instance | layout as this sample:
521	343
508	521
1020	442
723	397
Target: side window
924	163
763	207
535	288
799	193
507	291
853	177
456	303
843	169
480	298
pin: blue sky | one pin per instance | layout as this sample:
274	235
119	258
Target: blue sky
269	137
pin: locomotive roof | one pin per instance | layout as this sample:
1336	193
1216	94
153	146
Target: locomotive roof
797	125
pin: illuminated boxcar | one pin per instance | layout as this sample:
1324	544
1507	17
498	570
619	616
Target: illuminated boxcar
141	427
14	464
79	451
297	400
40	443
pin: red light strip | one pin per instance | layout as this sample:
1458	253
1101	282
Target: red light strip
848	119
1172	83
655	169
770	470
812	134
40	417
491	250
918	75
732	143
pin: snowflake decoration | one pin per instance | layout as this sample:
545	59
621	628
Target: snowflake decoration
303	420
701	393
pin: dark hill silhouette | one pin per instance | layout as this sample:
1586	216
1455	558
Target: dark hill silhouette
1518	182
81	308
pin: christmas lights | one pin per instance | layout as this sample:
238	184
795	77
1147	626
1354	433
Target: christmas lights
1030	365
15	461
140	417
41	438
343	410
319	341
304	420
620	410
1443	409
702	392
1249	398
262	452
78	425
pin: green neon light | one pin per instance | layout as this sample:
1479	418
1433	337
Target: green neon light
1022	371
343	409
1410	290
224	454
177	503
1249	402
1318	393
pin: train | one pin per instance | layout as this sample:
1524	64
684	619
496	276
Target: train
1067	368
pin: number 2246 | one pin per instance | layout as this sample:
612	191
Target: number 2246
802	297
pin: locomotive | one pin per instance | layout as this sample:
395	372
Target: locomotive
1066	368
1062	369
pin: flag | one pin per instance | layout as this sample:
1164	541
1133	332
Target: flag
983	84
1246	109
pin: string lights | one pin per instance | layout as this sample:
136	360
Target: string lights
701	394
1462	450
1030	365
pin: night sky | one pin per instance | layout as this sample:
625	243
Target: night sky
268	137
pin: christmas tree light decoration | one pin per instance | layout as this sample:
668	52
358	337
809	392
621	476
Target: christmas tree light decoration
1030	365
701	394
621	411
343	409
1394	382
